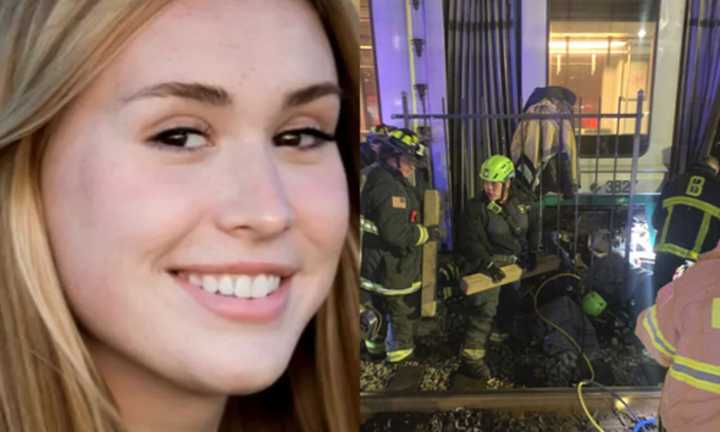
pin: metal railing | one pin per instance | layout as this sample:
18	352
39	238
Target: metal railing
474	149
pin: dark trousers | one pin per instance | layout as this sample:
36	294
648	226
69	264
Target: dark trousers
480	309
665	266
398	318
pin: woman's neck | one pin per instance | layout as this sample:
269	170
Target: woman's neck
148	402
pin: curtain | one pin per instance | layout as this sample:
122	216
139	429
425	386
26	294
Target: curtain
483	74
698	109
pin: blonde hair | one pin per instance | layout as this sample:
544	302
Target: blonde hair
51	50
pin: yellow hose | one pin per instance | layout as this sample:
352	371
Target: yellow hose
584	407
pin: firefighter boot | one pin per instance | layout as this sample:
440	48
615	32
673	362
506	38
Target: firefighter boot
476	369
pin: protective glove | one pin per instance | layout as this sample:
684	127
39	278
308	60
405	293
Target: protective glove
495	272
435	233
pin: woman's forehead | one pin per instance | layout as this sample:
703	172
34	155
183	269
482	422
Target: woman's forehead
252	49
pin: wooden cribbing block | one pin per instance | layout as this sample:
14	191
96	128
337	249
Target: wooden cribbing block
431	217
478	282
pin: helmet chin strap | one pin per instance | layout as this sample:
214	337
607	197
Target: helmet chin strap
504	191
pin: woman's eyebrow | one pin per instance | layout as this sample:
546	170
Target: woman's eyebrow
218	96
203	93
310	93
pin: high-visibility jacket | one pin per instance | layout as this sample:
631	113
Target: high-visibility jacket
682	331
392	233
688	216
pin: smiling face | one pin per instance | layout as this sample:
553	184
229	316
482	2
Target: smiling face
195	200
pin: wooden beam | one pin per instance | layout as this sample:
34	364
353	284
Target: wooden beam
478	282
431	217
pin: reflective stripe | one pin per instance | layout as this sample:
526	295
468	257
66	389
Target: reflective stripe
715	319
693	202
656	336
663	236
379	289
707	208
473	354
399	355
368	226
704	376
702	233
677	250
374	347
424	235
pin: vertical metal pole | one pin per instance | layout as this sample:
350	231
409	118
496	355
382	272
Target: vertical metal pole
615	164
577	126
540	169
633	172
597	142
406	119
561	148
448	161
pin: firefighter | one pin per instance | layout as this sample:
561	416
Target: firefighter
687	219
682	331
370	148
392	242
498	228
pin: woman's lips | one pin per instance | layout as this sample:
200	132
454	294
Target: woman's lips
238	297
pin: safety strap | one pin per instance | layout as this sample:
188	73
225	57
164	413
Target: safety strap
512	223
371	286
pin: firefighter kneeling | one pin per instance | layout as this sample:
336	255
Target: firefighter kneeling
392	239
497	229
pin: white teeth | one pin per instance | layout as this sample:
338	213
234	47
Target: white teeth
260	287
243	286
226	286
240	286
210	284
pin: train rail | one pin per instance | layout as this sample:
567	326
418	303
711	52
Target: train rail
556	401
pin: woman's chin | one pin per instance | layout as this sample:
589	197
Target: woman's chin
242	380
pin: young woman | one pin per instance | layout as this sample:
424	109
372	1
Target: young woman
178	219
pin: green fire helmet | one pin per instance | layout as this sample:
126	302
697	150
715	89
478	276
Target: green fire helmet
497	168
593	304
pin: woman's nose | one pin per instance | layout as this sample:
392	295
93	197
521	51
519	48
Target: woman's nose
257	201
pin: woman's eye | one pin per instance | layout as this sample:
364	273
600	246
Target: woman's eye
186	139
303	139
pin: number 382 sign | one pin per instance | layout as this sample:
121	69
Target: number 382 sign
617	186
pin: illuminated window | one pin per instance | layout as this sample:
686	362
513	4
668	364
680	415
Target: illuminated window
603	50
368	83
